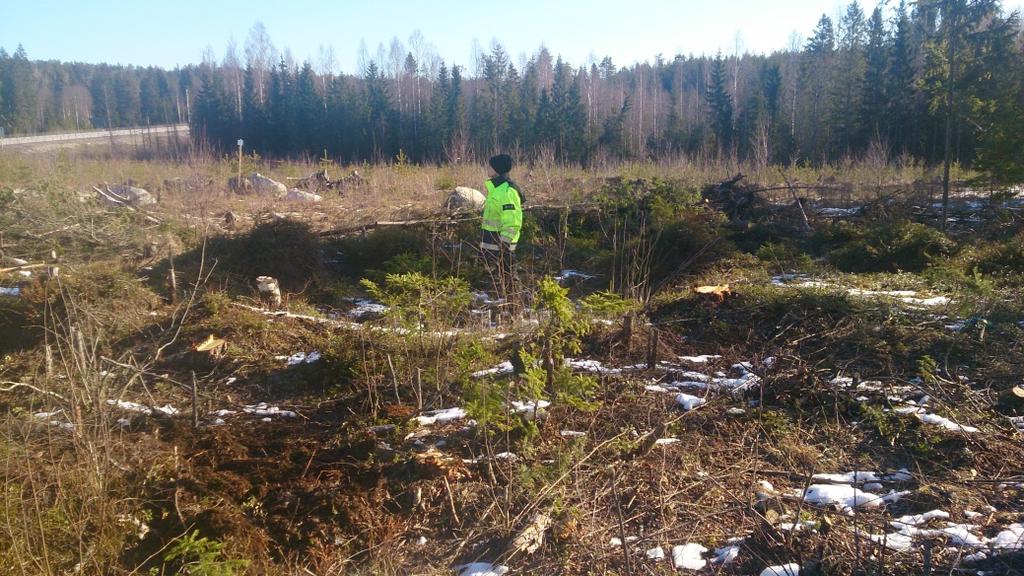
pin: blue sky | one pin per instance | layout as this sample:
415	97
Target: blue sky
169	33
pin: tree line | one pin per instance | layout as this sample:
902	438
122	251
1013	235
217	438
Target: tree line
935	80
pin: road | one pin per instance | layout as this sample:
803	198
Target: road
86	135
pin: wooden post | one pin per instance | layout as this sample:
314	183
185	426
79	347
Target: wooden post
195	401
652	347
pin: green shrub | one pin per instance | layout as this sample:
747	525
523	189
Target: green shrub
192	554
903	246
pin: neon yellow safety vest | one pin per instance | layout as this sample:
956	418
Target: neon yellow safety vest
503	211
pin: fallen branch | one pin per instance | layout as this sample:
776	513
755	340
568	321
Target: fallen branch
15	385
22	267
446	220
124	204
792	191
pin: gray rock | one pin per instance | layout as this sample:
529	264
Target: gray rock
302	196
465	199
132	195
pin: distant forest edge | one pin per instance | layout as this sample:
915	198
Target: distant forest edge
906	83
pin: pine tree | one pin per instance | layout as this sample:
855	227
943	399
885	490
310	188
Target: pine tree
848	82
817	67
720	103
873	122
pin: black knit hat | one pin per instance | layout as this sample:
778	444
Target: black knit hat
502	163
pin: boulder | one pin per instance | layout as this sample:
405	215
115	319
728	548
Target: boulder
258	184
132	195
302	196
465	199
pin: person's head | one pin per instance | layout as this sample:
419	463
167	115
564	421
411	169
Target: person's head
501	164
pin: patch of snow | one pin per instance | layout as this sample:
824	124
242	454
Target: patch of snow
726	554
481	569
689	402
528	407
364	308
571	434
918	519
689	557
972	515
855	477
935	419
797	526
166	409
592	366
440	416
1012	538
655	554
503	368
831	212
791	569
615	541
933	301
573	275
692	376
302	358
700	359
734	411
842	495
266	410
894	541
841	382
665	441
11	291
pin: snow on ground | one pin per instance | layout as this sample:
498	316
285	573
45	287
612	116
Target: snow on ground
700	359
655	554
365	308
792	569
12	291
481	569
830	212
300	358
166	409
689	556
503	368
592	366
573	275
528	407
934	419
265	410
440	416
727	554
857	477
843	496
909	297
689	402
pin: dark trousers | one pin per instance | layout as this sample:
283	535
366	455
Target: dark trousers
500	260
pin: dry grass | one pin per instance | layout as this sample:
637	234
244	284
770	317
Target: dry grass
326	493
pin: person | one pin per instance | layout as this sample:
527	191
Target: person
502	222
